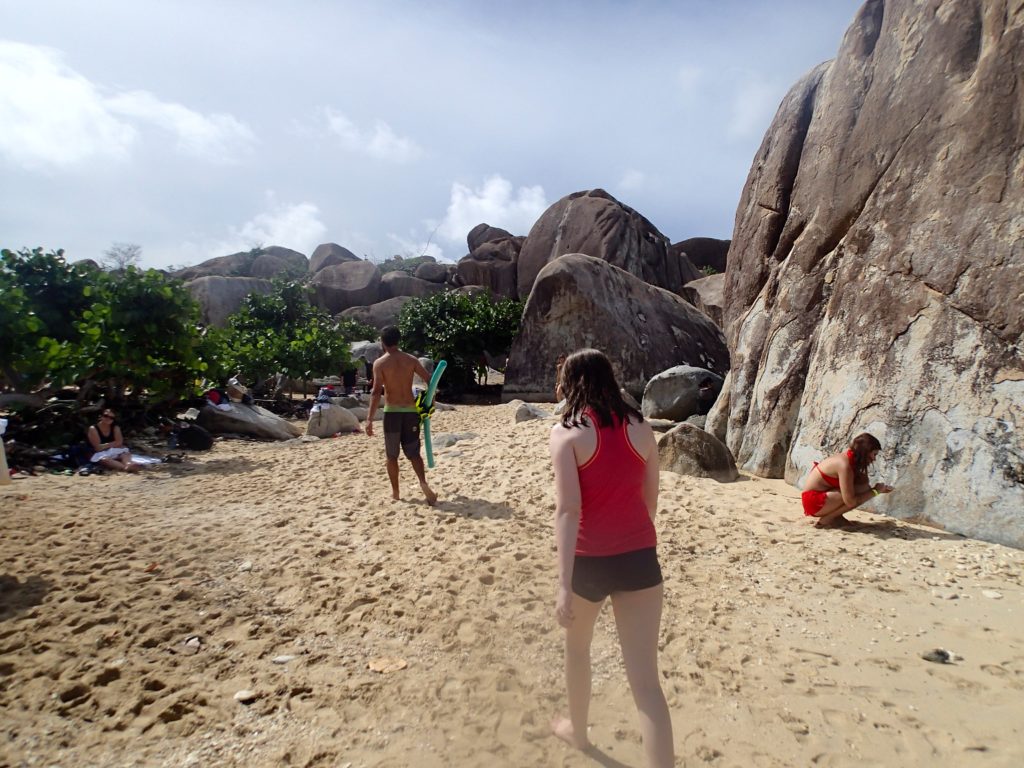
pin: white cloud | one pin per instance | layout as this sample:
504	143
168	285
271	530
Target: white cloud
381	142
494	204
754	105
296	226
53	117
219	137
631	180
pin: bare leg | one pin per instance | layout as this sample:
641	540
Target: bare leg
417	467
129	466
831	515
393	477
638	620
112	464
573	729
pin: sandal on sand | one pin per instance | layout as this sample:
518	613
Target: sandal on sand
174	458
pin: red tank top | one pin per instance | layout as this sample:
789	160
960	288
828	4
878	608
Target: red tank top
614	517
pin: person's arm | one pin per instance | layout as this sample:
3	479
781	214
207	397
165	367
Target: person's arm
567	517
378	389
94	439
652	471
118	441
854	495
420	371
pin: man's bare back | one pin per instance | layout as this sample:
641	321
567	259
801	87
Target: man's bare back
392	377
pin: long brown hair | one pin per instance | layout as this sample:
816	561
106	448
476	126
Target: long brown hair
588	382
862	446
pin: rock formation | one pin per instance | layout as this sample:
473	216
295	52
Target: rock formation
328	255
492	264
680	392
484	233
432	272
596	224
399	283
876	271
351	284
379	315
708	295
269	262
704	252
580	301
220	297
689	450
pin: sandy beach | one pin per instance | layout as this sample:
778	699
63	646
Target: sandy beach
135	608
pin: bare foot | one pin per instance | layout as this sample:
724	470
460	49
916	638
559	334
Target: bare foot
562	728
431	496
395	496
836	522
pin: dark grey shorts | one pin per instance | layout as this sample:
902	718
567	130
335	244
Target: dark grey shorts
594	578
401	429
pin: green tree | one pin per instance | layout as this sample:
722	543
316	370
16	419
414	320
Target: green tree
459	328
282	332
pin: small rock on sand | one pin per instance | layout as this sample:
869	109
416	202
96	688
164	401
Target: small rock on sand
245	696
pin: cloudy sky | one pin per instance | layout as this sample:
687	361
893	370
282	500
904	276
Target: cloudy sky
197	128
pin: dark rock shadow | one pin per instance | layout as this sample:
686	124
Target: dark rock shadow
891	529
474	508
17	596
193	465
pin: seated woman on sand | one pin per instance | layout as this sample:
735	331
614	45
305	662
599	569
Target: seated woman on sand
108	443
840	482
605	460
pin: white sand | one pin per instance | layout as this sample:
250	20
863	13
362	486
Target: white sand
782	645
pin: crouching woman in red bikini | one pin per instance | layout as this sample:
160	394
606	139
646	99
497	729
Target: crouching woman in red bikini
840	483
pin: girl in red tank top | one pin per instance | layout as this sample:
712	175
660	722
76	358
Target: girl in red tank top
606	487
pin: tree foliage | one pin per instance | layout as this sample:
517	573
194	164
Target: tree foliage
126	333
122	255
459	328
282	332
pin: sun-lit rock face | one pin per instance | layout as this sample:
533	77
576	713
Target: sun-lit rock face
876	272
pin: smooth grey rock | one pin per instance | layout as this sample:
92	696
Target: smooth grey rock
220	297
350	284
379	315
680	392
251	420
529	412
688	450
432	272
398	283
329	420
707	295
329	255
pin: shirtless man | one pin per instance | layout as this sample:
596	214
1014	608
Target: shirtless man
393	374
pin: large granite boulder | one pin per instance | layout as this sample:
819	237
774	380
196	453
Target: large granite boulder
580	301
327	419
329	255
432	272
707	294
351	284
379	315
680	392
251	420
368	350
399	283
704	252
220	297
596	224
493	265
269	262
689	450
876	268
484	233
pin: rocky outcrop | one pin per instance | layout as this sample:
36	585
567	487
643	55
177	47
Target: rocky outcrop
689	450
680	392
220	297
493	265
398	283
875	273
484	233
329	255
707	295
352	284
598	225
326	420
705	252
379	315
272	261
432	272
580	301
250	420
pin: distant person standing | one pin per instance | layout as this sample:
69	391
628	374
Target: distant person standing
605	460
392	376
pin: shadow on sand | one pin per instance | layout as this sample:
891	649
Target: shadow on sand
893	529
475	509
17	596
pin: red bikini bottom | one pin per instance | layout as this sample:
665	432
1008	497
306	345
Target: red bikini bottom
814	502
